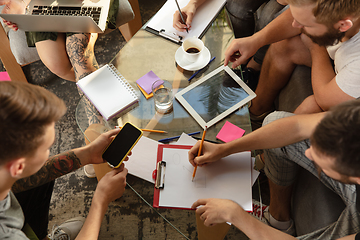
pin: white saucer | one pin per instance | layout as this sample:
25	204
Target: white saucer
202	61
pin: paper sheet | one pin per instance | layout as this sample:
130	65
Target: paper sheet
142	161
163	20
228	178
187	140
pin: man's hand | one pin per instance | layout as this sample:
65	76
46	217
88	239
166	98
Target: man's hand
188	13
240	50
92	153
308	42
210	153
112	185
213	210
13	7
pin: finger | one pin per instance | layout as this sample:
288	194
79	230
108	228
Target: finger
122	173
193	153
112	132
227	59
198	202
238	61
200	161
180	27
189	19
121	167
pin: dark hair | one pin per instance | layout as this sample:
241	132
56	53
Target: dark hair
25	111
338	136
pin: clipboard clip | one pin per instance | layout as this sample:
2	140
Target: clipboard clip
160	175
170	35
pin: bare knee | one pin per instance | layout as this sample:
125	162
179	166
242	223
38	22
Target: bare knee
290	51
62	69
55	58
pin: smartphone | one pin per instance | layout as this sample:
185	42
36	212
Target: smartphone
122	144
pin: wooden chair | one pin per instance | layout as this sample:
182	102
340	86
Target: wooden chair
14	52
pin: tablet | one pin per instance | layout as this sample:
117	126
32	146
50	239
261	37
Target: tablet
215	96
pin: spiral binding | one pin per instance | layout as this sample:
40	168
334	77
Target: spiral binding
125	83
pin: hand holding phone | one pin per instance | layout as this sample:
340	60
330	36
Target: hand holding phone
122	144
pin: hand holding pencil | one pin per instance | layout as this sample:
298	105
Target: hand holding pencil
210	152
200	151
182	19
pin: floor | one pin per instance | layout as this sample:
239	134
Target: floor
128	217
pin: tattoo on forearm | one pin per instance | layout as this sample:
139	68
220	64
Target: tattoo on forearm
55	167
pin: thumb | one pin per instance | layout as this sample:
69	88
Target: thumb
199	160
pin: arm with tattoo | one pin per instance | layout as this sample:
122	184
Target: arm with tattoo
55	167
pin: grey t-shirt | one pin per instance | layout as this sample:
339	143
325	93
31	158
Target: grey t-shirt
11	219
346	56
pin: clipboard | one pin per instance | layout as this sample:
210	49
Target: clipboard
161	23
159	174
177	191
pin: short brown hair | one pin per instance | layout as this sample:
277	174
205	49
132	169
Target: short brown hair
329	12
338	136
25	111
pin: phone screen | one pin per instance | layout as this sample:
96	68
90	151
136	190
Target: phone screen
122	144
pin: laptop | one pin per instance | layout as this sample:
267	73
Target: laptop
88	16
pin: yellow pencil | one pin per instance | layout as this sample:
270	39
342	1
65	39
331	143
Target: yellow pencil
148	130
199	152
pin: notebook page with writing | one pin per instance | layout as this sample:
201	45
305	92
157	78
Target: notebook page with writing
162	22
108	91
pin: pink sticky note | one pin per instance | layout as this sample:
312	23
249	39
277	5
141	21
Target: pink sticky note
146	81
230	132
4	76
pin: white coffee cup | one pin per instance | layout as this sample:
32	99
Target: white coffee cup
192	48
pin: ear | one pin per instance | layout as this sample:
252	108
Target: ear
16	167
344	25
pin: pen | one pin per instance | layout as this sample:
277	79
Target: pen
172	138
148	130
200	69
182	18
199	152
197	138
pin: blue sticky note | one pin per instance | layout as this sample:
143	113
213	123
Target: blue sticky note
146	81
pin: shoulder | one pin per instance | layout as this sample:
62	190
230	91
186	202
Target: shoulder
11	219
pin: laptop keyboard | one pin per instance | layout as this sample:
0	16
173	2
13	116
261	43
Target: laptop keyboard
93	12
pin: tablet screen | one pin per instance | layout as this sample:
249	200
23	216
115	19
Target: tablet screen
215	96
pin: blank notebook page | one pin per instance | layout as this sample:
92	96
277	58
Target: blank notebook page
108	90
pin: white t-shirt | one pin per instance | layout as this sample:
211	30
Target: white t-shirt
346	56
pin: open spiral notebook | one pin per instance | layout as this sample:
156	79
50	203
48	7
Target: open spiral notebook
108	91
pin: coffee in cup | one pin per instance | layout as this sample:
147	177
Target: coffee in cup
192	48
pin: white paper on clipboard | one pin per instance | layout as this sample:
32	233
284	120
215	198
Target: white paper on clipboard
228	178
162	22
